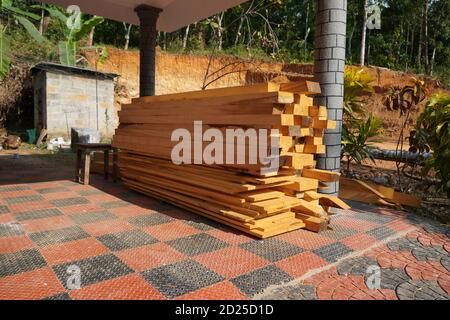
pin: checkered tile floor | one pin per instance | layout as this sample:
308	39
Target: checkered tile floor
129	246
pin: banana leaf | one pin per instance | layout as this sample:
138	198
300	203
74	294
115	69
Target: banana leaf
34	33
5	54
67	53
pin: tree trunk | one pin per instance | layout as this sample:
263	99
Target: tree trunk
127	35
41	24
350	39
368	48
186	36
307	30
238	33
91	37
412	45
219	31
364	34
433	59
425	38
419	49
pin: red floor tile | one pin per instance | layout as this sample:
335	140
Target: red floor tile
150	256
31	285
130	211
306	239
233	261
7	217
16	243
21	193
359	241
355	224
172	230
106	227
301	263
72	251
44	224
230	236
29	206
219	291
60	195
82	208
130	287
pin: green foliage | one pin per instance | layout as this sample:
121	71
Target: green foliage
433	126
406	98
22	17
356	129
356	83
5	53
355	140
67	53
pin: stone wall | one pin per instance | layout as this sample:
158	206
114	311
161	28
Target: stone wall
76	101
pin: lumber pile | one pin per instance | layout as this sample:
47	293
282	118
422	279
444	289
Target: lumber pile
244	196
371	193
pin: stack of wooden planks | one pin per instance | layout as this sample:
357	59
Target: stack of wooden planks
261	203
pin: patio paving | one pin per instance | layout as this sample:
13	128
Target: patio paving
129	246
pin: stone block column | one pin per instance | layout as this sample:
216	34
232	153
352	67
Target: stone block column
329	63
148	17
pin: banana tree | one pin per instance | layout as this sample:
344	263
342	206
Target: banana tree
22	17
76	30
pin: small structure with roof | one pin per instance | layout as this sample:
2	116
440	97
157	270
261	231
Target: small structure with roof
69	97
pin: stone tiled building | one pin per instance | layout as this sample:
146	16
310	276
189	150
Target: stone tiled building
68	97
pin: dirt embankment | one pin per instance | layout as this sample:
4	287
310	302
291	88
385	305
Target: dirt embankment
180	73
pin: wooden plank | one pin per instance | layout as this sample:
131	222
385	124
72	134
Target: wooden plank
313	224
321	175
302	87
243	119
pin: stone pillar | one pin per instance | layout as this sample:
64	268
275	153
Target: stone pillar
148	16
331	25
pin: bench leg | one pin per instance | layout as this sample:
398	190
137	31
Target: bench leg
87	167
106	163
115	166
78	166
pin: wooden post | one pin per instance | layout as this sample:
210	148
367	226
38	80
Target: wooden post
106	163
87	166
148	17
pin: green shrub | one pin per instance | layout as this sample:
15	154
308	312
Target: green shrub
433	131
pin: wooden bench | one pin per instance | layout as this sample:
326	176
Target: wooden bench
84	151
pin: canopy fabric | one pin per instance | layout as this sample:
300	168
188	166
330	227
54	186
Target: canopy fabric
176	13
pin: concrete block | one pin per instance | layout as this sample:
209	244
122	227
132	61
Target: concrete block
334	28
332	139
331	90
326	53
326	77
331	4
326	41
338	15
333	65
338	53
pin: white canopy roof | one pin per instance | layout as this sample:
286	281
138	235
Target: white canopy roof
176	13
